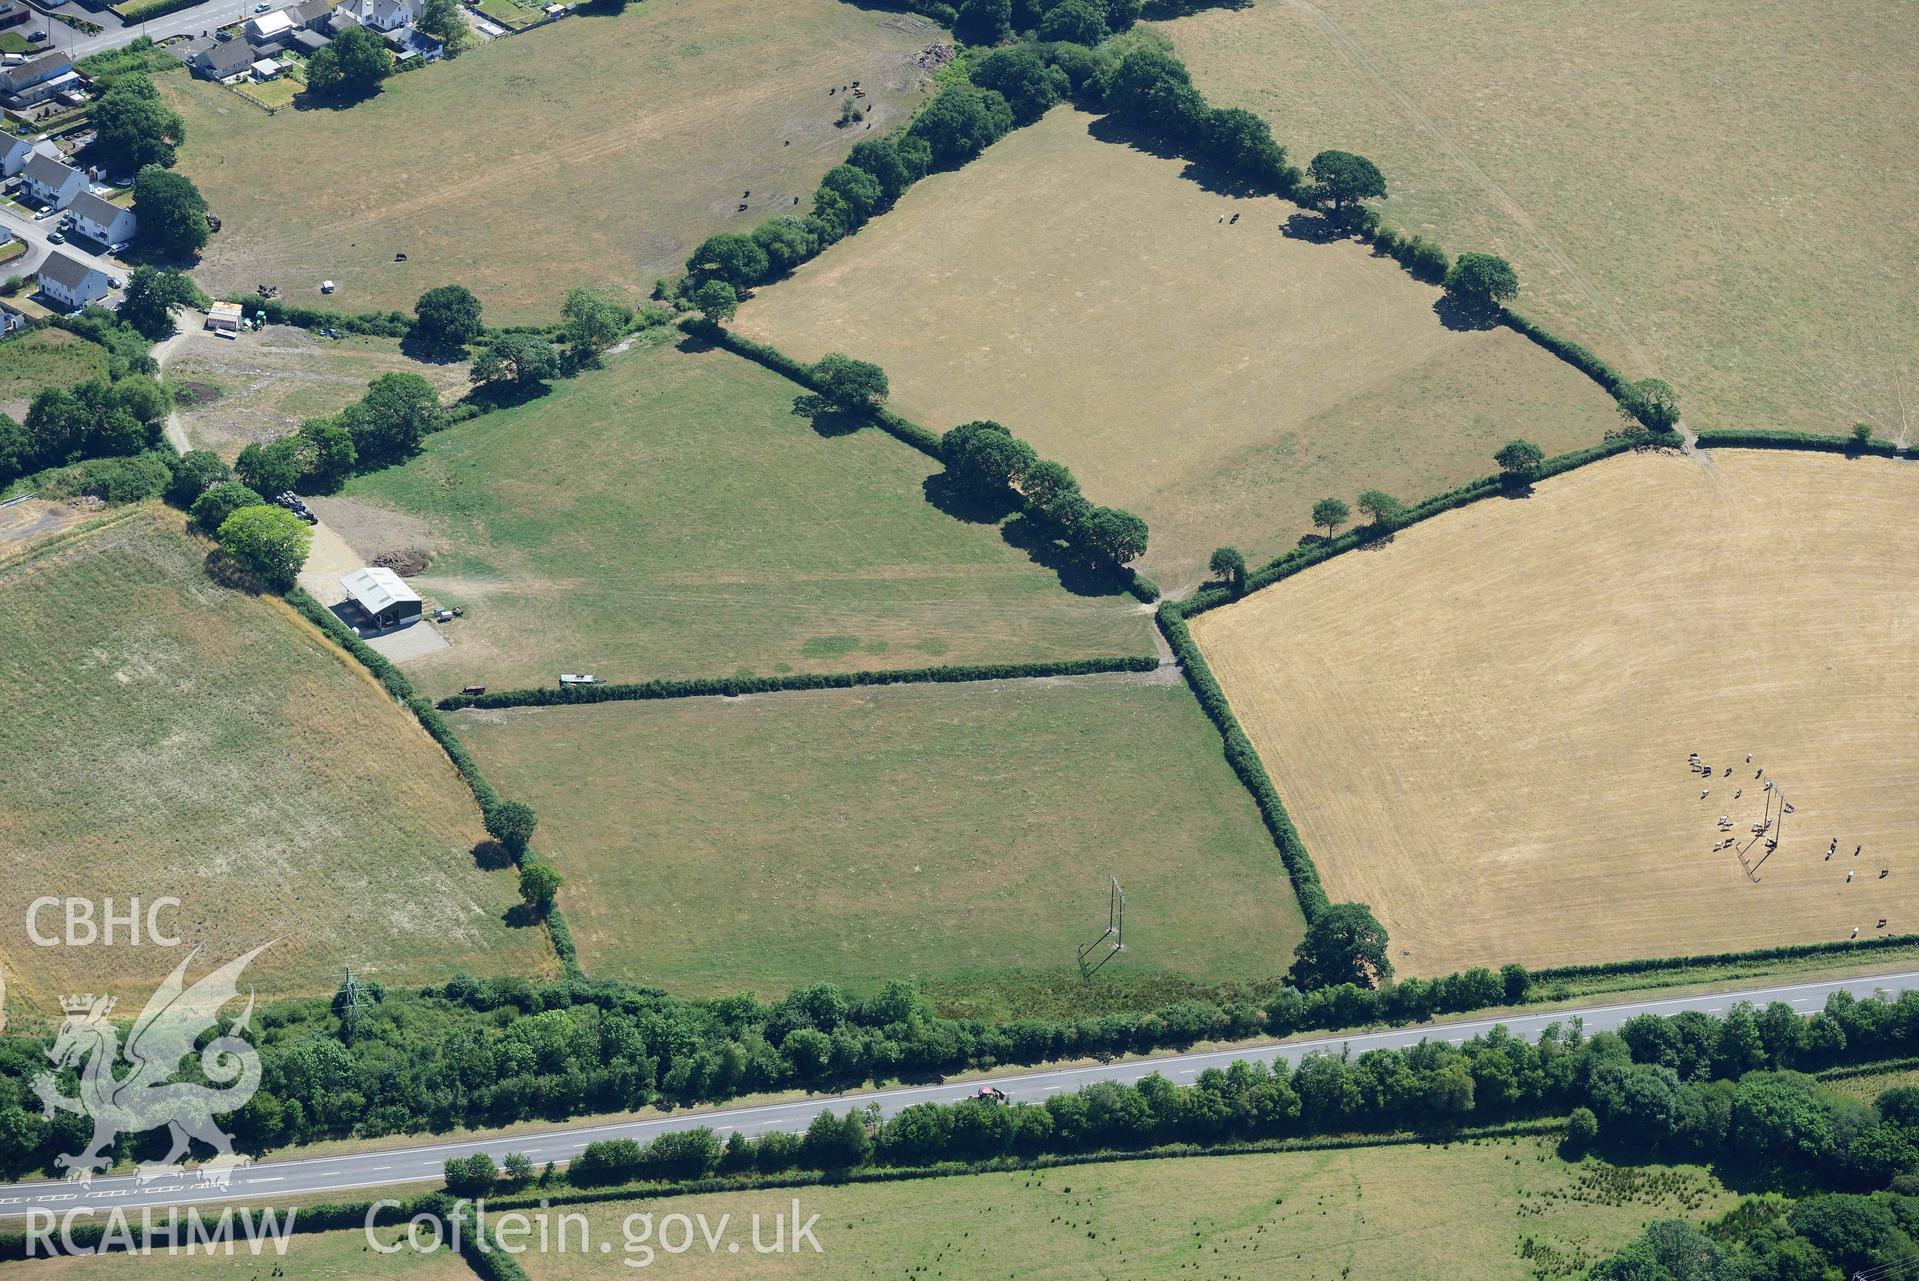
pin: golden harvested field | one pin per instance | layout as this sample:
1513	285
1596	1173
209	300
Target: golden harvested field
1216	378
600	152
1482	729
1719	192
166	736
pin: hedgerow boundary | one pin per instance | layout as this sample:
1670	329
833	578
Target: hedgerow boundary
395	1212
1138	586
1244	759
734	686
394	681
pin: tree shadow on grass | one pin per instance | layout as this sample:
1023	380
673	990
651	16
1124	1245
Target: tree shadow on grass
520	917
1463	318
225	571
1043	547
826	419
491	856
964	504
1313	228
1209	178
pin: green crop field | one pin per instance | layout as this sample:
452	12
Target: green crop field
166	736
925	831
1215	376
42	358
1714	191
599	153
671	517
1489	1211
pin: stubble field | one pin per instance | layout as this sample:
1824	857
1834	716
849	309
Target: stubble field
1715	191
1216	377
166	736
599	152
1482	728
671	517
922	832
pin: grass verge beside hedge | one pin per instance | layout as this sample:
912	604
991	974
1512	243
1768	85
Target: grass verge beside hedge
733	686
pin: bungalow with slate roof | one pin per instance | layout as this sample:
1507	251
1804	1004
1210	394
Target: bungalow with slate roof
52	183
71	283
101	220
222	60
409	43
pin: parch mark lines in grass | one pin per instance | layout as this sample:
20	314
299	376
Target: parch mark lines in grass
1503	198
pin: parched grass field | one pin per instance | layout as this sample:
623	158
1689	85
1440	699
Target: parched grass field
1215	377
1714	191
310	1256
1413	1213
670	516
262	385
165	736
43	358
919	832
1482	728
598	153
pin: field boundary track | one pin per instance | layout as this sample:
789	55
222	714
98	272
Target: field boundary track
1247	764
735	686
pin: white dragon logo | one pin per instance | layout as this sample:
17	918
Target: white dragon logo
147	1097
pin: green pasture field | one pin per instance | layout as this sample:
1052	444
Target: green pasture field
167	736
1506	1210
1713	191
670	516
1215	376
918	832
41	358
599	154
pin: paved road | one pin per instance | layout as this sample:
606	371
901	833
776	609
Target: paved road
273	1181
209	16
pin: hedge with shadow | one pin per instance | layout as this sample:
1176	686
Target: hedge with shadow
396	684
733	686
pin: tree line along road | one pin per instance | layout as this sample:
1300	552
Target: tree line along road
273	1181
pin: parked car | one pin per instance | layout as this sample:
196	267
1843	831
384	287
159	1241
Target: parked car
261	8
37	37
57	237
113	282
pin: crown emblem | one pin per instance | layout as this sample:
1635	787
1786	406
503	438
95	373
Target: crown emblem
83	1004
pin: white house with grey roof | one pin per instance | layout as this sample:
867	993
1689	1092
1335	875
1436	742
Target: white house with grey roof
101	220
381	15
14	152
52	183
72	283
